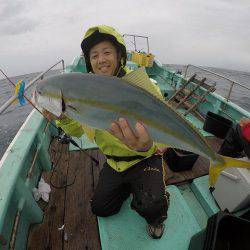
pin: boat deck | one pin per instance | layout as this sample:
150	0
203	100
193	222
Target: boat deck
68	221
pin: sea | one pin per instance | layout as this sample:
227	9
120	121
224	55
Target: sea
12	118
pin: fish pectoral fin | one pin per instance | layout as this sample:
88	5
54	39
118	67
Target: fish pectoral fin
228	162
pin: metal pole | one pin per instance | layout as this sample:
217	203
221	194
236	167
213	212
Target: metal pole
63	65
134	43
148	45
186	68
134	35
230	91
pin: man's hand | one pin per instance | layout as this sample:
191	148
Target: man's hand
138	140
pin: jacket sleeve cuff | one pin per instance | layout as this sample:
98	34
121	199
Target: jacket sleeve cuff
70	127
150	152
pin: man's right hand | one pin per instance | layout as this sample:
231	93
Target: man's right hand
138	140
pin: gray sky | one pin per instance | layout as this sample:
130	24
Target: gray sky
36	34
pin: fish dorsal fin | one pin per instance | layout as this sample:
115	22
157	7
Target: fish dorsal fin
140	79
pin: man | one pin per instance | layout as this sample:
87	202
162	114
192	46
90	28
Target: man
132	165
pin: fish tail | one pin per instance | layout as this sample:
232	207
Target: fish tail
227	162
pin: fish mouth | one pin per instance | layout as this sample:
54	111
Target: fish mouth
54	103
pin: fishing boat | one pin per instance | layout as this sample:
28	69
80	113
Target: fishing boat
66	221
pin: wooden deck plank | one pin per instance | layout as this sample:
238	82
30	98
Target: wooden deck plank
46	235
80	223
73	228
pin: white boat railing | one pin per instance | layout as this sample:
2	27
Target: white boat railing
134	42
40	76
233	82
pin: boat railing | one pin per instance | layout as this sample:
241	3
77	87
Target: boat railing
39	77
134	40
231	81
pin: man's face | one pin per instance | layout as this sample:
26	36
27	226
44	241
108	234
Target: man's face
104	58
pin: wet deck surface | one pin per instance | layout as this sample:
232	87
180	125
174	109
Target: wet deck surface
68	221
68	206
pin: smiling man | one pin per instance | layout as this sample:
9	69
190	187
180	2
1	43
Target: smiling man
104	58
131	166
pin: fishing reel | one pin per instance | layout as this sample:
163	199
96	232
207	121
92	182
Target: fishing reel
62	137
66	139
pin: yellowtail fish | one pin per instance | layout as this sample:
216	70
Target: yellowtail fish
98	100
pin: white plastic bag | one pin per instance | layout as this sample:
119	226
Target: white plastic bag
42	191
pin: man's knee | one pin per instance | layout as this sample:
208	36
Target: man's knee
152	208
99	209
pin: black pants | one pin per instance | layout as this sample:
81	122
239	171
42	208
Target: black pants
145	180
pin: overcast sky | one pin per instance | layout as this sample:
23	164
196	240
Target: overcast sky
36	34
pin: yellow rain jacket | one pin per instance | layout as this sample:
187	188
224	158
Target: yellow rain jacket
107	143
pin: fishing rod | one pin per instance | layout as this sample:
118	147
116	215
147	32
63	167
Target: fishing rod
67	138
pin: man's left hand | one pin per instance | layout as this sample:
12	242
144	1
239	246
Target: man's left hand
139	140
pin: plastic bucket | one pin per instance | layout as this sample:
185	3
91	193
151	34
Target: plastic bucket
179	160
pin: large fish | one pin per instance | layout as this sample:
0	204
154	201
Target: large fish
98	100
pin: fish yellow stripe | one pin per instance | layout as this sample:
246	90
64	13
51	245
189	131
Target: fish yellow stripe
129	113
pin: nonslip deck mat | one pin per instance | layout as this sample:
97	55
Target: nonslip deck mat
200	187
127	230
83	143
